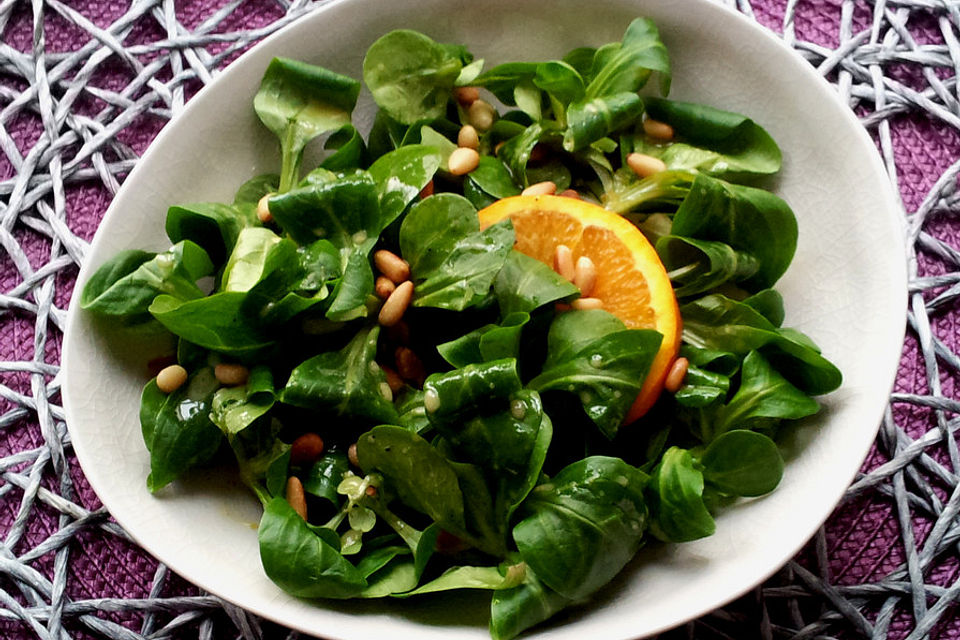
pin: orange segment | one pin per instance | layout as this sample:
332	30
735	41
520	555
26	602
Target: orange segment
631	280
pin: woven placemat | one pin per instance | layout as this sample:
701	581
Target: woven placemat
85	87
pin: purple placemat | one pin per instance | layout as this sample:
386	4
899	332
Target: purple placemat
75	114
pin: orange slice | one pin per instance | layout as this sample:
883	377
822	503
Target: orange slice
631	281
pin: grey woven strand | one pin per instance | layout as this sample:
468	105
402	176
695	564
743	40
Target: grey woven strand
76	148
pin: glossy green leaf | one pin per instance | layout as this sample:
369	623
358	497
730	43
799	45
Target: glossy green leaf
525	284
453	264
592	355
346	382
676	492
212	225
410	75
298	102
742	463
127	284
582	527
721	324
233	409
176	427
301	562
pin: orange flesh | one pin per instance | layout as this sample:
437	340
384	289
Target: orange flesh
631	281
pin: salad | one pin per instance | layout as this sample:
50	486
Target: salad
521	328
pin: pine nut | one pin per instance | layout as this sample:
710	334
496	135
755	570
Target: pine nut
409	366
537	154
657	129
468	137
563	262
263	209
383	287
306	449
399	333
396	305
560	307
570	193
394	380
584	304
497	147
545	188
466	95
371	491
392	266
463	161
481	114
231	374
427	191
585	275
676	375
352	455
296	497
645	166
171	378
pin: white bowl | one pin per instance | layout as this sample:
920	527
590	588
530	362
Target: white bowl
846	289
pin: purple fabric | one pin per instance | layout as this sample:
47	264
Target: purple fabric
862	537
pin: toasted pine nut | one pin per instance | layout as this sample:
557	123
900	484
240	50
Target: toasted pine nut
392	266
570	193
352	455
563	262
427	191
399	333
657	129
585	275
497	147
171	378
306	449
545	188
263	209
537	154
393	379
468	137
371	491
560	307
463	161
466	95
296	497
676	375
409	365
644	165
583	304
481	114
396	305
231	374
383	287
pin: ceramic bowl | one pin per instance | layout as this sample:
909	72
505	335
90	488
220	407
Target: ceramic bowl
846	289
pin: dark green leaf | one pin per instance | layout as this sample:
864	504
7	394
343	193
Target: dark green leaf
177	429
212	225
325	476
301	562
346	382
525	284
410	75
742	463
625	67
218	322
603	364
233	409
401	175
453	264
490	342
696	266
676	492
126	284
718	323
581	528
763	393
515	610
713	141
750	220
